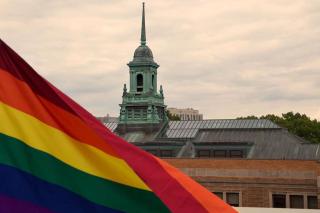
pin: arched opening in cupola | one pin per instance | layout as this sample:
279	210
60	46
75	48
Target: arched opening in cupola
139	83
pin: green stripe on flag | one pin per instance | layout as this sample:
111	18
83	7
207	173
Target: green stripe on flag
15	153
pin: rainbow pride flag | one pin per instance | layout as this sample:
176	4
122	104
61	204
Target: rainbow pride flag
56	157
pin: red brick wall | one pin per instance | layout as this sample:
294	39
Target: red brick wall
256	180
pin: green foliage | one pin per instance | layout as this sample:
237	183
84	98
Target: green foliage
172	117
249	117
296	123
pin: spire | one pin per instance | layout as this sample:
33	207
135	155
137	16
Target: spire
143	28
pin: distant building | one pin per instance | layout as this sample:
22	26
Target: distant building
250	163
107	119
186	114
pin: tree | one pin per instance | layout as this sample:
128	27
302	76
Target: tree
296	123
248	117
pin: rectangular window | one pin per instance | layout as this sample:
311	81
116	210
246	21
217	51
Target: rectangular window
296	201
204	153
220	153
130	113
153	82
160	112
137	113
236	154
166	153
278	201
219	194
312	202
233	198
144	113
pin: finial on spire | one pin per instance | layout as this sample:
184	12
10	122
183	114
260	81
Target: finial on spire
143	28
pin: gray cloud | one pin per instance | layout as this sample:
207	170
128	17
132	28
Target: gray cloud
227	59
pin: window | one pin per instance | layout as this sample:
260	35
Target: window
233	198
312	202
219	194
130	113
288	200
204	153
279	201
144	113
220	153
160	112
139	83
166	153
296	201
152	81
137	113
160	153
236	154
153	151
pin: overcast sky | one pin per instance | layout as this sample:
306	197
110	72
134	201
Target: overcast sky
226	58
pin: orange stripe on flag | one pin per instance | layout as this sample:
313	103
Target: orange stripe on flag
23	98
207	199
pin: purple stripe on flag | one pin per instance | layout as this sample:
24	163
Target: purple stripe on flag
17	206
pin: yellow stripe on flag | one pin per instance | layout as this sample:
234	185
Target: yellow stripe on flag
81	156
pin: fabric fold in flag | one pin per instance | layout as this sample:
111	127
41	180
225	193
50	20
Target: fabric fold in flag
56	157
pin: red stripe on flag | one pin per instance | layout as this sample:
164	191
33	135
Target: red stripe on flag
22	98
11	62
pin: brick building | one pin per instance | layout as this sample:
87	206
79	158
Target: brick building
258	183
250	163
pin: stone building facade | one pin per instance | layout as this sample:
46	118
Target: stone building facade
186	114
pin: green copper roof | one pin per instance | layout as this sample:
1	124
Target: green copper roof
143	51
143	54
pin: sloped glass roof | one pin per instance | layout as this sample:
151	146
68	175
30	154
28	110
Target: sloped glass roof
112	125
189	129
